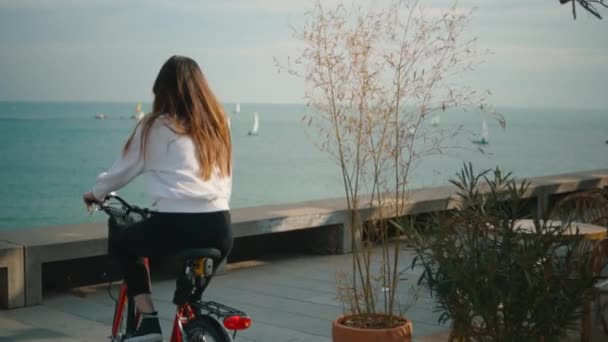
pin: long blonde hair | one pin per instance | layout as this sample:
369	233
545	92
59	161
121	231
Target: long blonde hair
183	97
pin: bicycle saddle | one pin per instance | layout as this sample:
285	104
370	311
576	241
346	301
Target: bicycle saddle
196	253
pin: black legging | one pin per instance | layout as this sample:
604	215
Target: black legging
166	234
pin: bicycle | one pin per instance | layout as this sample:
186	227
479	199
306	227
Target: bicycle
195	320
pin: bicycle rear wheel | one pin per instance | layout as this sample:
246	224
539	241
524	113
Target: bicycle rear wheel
205	329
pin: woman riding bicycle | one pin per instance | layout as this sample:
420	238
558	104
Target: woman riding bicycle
184	148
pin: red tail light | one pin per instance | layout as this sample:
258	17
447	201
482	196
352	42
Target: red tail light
237	322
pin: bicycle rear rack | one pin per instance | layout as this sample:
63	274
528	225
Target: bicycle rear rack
218	309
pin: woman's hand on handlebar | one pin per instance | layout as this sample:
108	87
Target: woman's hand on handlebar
89	199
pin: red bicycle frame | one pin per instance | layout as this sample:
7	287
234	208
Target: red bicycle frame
183	313
118	310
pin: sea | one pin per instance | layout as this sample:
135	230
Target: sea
51	152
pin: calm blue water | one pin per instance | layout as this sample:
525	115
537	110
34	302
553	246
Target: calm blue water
50	154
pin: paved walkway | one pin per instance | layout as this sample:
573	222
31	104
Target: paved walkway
292	299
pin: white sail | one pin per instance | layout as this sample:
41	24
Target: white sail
411	128
237	108
139	114
256	124
485	134
435	120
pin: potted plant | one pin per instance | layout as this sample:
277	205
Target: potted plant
495	282
374	79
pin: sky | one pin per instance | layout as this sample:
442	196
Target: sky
111	50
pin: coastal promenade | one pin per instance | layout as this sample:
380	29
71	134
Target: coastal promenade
290	297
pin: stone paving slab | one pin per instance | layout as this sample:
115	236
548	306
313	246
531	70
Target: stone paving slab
11	330
58	323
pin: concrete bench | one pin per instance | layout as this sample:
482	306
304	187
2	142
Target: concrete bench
51	244
70	242
12	278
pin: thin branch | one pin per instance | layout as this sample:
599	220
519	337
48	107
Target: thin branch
587	5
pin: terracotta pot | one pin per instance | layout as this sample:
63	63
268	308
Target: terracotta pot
343	333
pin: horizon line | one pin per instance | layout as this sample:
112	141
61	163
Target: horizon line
287	103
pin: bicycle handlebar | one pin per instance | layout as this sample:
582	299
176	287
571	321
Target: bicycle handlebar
118	198
125	210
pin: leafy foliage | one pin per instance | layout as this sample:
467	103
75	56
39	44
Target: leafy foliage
495	281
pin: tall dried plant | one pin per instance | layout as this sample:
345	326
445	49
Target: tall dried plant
374	77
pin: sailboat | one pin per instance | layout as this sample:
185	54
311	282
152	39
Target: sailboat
411	128
237	108
435	120
484	138
139	114
256	124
